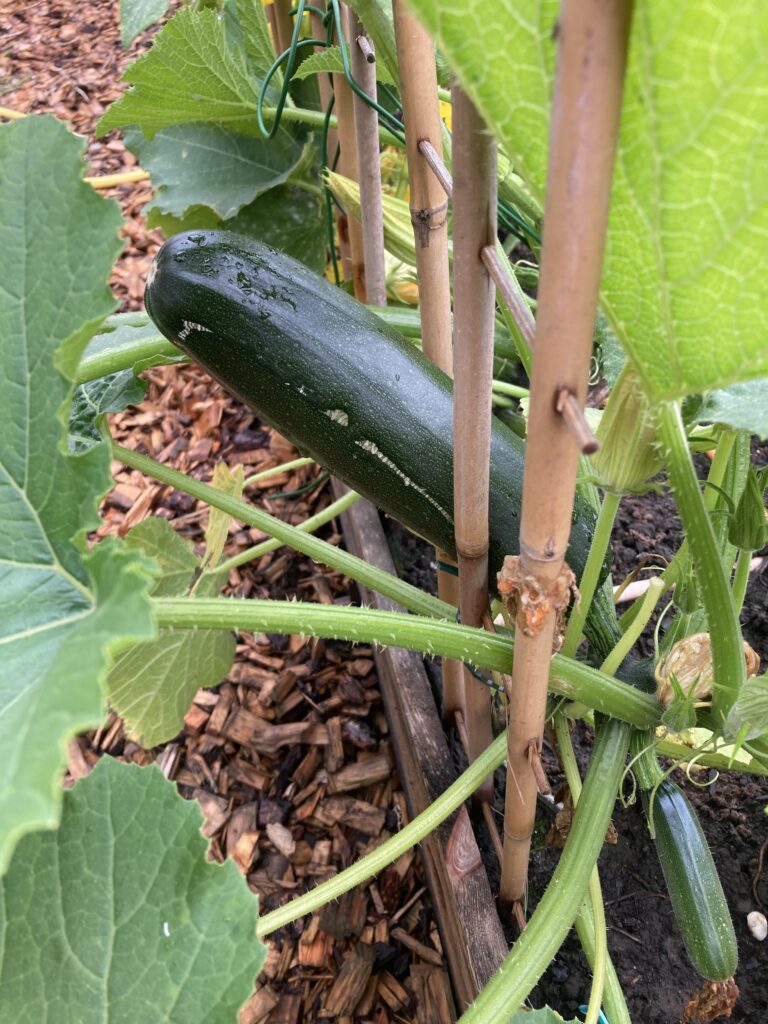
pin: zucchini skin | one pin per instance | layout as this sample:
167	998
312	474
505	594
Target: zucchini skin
337	382
693	884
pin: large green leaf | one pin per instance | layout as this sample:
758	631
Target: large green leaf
190	74
61	613
136	15
741	406
206	164
92	401
684	283
256	39
151	684
119	916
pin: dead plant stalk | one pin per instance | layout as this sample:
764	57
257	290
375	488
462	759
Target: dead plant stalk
591	61
474	227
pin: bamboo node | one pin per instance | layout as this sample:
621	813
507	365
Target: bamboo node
428	219
530	602
534	760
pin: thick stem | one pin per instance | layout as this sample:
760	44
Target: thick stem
429	215
587	100
635	628
722	618
557	910
474	227
389	851
367	142
491	652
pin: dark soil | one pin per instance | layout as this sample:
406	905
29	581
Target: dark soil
644	942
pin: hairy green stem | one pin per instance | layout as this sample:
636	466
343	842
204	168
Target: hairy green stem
589	579
317	119
392	848
436	637
681	753
318	550
308	526
722	618
603	980
557	910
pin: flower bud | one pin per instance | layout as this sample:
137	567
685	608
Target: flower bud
628	455
690	661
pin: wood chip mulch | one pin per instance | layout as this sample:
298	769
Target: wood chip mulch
290	757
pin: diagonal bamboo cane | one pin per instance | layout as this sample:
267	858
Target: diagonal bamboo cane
589	79
474	227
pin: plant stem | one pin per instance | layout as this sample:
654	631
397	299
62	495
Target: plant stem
681	753
435	637
409	597
599	958
636	627
722	618
589	578
440	809
557	910
274	470
316	118
97	363
308	526
741	579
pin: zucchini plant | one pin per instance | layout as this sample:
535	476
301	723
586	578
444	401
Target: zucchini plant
241	291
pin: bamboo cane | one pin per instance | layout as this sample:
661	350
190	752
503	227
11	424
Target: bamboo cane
324	80
369	167
283	24
350	231
429	214
474	227
585	117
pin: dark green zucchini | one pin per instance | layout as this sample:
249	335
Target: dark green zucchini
693	884
337	381
694	888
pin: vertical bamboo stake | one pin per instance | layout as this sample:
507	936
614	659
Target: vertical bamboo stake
585	117
429	214
369	167
474	227
350	231
283	24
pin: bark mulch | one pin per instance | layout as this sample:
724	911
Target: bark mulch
290	757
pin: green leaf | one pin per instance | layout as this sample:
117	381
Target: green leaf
61	613
750	712
190	74
210	165
93	400
684	283
256	39
741	406
136	15
287	218
120	916
329	60
151	684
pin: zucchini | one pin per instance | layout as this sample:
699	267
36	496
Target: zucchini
337	381
694	888
698	900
